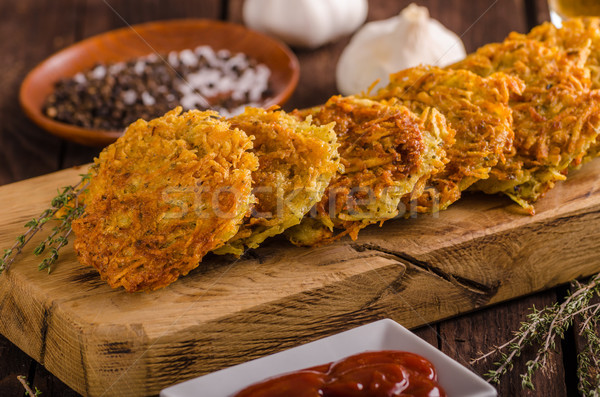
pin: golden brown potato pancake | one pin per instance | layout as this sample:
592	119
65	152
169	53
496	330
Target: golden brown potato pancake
296	162
385	151
555	117
162	196
475	107
576	33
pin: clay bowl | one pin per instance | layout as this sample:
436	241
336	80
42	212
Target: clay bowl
140	40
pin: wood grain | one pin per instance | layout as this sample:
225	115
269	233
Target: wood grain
107	342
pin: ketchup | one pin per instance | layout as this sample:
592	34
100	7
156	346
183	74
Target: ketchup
385	373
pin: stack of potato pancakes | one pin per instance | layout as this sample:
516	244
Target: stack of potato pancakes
513	118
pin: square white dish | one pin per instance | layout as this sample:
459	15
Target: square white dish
385	334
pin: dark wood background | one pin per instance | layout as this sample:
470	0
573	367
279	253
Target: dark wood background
31	30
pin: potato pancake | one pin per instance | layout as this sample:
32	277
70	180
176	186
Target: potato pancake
162	196
385	151
555	117
297	160
575	34
475	107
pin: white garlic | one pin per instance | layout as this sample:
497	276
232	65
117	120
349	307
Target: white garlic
305	23
383	47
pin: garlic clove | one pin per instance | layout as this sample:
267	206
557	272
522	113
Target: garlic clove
383	47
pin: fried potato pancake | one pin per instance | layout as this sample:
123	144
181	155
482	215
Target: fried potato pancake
555	117
385	151
297	160
162	196
574	35
475	107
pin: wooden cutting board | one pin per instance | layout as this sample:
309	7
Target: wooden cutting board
105	342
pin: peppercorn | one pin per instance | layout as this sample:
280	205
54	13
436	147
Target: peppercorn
112	96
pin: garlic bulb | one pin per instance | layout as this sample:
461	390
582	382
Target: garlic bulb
384	47
305	23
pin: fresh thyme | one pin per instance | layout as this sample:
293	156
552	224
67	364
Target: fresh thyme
28	391
588	360
64	208
545	327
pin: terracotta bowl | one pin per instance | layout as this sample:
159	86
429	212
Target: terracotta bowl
139	40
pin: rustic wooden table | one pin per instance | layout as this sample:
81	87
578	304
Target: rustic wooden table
34	29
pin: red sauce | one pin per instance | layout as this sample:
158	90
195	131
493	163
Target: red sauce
371	374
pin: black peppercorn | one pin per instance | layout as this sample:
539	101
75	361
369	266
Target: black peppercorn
110	97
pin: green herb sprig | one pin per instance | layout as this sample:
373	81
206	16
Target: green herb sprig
544	328
28	391
64	208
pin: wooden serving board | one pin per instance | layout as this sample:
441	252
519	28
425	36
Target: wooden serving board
105	342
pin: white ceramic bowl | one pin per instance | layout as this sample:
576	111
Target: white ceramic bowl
386	334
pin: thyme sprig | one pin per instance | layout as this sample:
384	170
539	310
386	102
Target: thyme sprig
28	391
588	360
544	328
64	208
